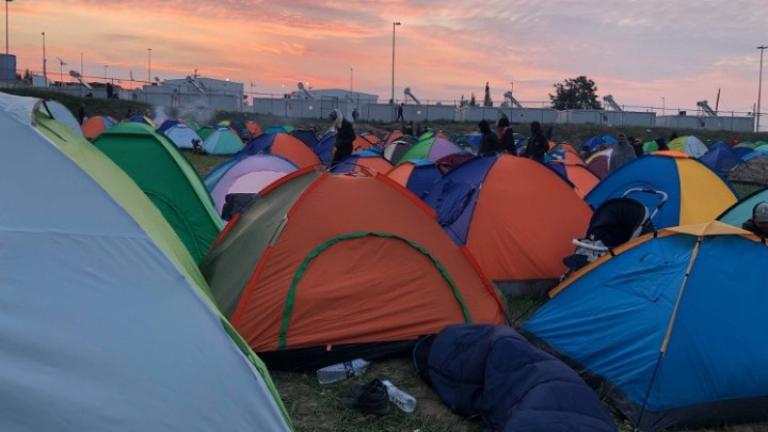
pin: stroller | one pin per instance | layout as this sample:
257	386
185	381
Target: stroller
614	223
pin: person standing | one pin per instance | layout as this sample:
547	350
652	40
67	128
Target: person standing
400	117
538	145
489	144
506	136
345	136
622	154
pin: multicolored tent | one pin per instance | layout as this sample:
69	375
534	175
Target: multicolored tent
762	148
167	178
324	147
720	158
249	175
418	176
395	150
394	136
696	193
582	179
599	163
746	144
431	148
286	129
753	170
688	144
95	126
307	285
307	136
741	212
253	128
515	215
106	323
180	134
366	160
222	141
673	323
282	145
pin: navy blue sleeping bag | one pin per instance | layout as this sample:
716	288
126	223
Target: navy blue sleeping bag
494	372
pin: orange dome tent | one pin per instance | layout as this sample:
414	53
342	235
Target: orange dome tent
95	126
284	145
323	268
516	216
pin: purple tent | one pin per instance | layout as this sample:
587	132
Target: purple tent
250	175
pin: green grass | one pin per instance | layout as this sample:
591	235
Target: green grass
314	407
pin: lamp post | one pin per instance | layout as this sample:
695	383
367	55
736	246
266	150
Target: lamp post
394	26
762	49
7	50
45	62
149	66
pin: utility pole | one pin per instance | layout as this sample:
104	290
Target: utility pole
394	26
762	49
7	50
45	62
149	66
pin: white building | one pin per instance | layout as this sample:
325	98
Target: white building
338	94
198	94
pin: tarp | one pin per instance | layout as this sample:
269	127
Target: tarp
105	322
673	323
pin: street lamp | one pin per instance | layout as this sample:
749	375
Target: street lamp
149	66
759	87
394	25
45	62
7	51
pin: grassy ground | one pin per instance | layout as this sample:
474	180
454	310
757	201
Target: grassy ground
313	407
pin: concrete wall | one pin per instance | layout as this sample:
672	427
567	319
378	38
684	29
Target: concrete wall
733	123
612	118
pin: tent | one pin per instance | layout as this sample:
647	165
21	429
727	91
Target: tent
222	141
696	193
431	148
169	181
746	144
253	128
250	175
515	215
673	323
282	145
205	132
650	147
94	126
191	122
740	152
324	268
324	147
395	150
180	134
720	158
286	129
762	148
582	179
418	176
367	160
593	144
307	136
393	136
753	170
106	324
599	162
688	144
741	212
138	118
63	115
372	139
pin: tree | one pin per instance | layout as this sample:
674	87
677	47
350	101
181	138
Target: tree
487	102
472	100
575	93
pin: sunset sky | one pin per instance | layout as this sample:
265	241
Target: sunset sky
639	51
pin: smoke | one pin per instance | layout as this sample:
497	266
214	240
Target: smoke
159	115
200	110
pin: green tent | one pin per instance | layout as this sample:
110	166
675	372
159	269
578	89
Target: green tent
222	141
650	147
167	178
205	132
190	121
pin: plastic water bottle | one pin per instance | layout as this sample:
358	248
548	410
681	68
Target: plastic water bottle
341	371
401	399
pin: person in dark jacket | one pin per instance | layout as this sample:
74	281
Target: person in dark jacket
81	114
345	136
636	145
506	136
400	117
489	144
662	144
758	224
538	145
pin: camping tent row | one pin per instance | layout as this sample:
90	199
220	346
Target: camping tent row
86	253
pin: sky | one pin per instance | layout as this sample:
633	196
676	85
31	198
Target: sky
638	51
